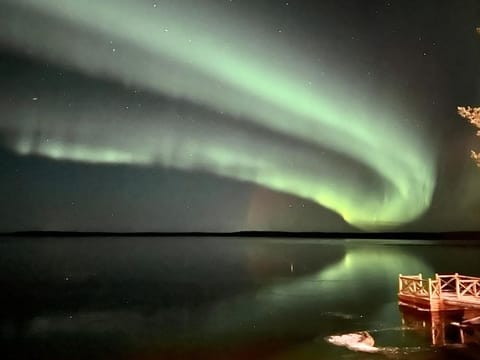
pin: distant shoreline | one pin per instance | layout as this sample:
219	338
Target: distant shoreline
440	236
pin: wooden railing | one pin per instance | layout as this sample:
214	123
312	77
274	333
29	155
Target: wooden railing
457	285
416	285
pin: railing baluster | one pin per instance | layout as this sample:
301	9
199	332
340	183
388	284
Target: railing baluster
457	285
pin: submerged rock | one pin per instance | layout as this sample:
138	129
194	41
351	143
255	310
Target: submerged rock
357	341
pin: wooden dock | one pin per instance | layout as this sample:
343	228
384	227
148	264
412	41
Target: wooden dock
442	293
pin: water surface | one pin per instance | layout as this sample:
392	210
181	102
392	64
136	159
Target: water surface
219	298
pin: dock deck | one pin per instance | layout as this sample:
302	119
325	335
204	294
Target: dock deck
444	292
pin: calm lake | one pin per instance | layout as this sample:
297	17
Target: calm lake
220	298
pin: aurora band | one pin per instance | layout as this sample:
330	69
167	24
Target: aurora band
194	52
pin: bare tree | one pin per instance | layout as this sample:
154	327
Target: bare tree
472	114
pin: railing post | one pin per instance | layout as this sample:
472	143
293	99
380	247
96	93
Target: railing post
439	285
400	283
429	289
457	285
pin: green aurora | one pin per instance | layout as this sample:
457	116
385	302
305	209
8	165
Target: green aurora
194	52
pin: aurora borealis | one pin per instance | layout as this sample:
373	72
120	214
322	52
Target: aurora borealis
255	105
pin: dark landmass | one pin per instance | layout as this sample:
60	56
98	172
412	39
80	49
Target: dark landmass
456	235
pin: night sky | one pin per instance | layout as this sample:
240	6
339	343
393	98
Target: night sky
227	115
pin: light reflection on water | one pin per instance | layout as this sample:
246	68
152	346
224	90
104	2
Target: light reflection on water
216	298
